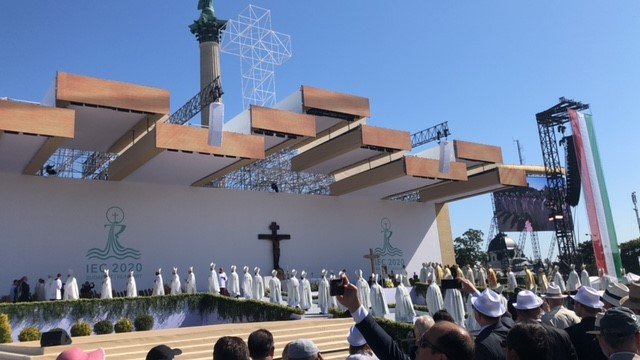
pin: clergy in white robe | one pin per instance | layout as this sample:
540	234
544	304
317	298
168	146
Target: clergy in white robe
190	284
511	280
49	289
71	287
39	292
543	282
424	272
234	283
363	290
293	290
214	287
431	274
482	277
176	287
454	305
379	305
275	288
306	299
557	278
324	300
258	284
470	323
573	282
247	283
434	298
106	292
469	274
404	306
158	284
584	276
58	286
132	289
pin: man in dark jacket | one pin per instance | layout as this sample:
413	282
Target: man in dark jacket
444	340
528	306
587	306
488	310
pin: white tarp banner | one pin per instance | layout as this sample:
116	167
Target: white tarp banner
445	157
216	118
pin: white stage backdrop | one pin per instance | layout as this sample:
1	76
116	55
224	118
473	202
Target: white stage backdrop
48	225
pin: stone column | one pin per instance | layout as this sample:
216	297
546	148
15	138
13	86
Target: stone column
209	70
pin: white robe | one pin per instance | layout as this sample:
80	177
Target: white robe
434	299
404	306
106	288
324	300
158	285
306	299
454	305
190	286
364	293
258	287
469	275
247	286
424	273
405	278
557	278
71	289
58	288
293	292
482	278
431	274
584	278
573	282
40	292
275	290
379	305
175	285
511	281
49	289
234	285
214	288
471	323
132	289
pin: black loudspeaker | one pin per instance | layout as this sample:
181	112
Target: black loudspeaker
55	337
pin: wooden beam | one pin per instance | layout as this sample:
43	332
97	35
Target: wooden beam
138	130
381	174
187	138
36	119
430	168
477	152
314	98
108	93
495	179
282	122
386	138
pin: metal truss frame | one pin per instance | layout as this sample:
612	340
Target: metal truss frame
260	49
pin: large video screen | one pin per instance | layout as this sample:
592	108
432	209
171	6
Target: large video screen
514	207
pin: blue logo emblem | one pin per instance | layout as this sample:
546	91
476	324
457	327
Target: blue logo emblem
113	249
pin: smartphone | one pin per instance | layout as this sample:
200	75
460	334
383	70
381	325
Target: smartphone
335	287
450	284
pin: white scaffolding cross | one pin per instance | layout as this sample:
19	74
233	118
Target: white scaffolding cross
260	49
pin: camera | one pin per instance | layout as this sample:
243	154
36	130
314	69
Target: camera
335	287
450	284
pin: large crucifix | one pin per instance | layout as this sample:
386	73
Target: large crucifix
275	239
372	257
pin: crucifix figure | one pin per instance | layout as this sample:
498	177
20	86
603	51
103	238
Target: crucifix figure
275	239
372	257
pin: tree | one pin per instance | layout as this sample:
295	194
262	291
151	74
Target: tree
629	253
585	250
468	248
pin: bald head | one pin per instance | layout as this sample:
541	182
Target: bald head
448	339
421	325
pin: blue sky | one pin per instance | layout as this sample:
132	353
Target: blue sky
486	67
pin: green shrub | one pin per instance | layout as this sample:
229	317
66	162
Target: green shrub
337	313
143	322
5	329
80	329
124	325
31	333
103	327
